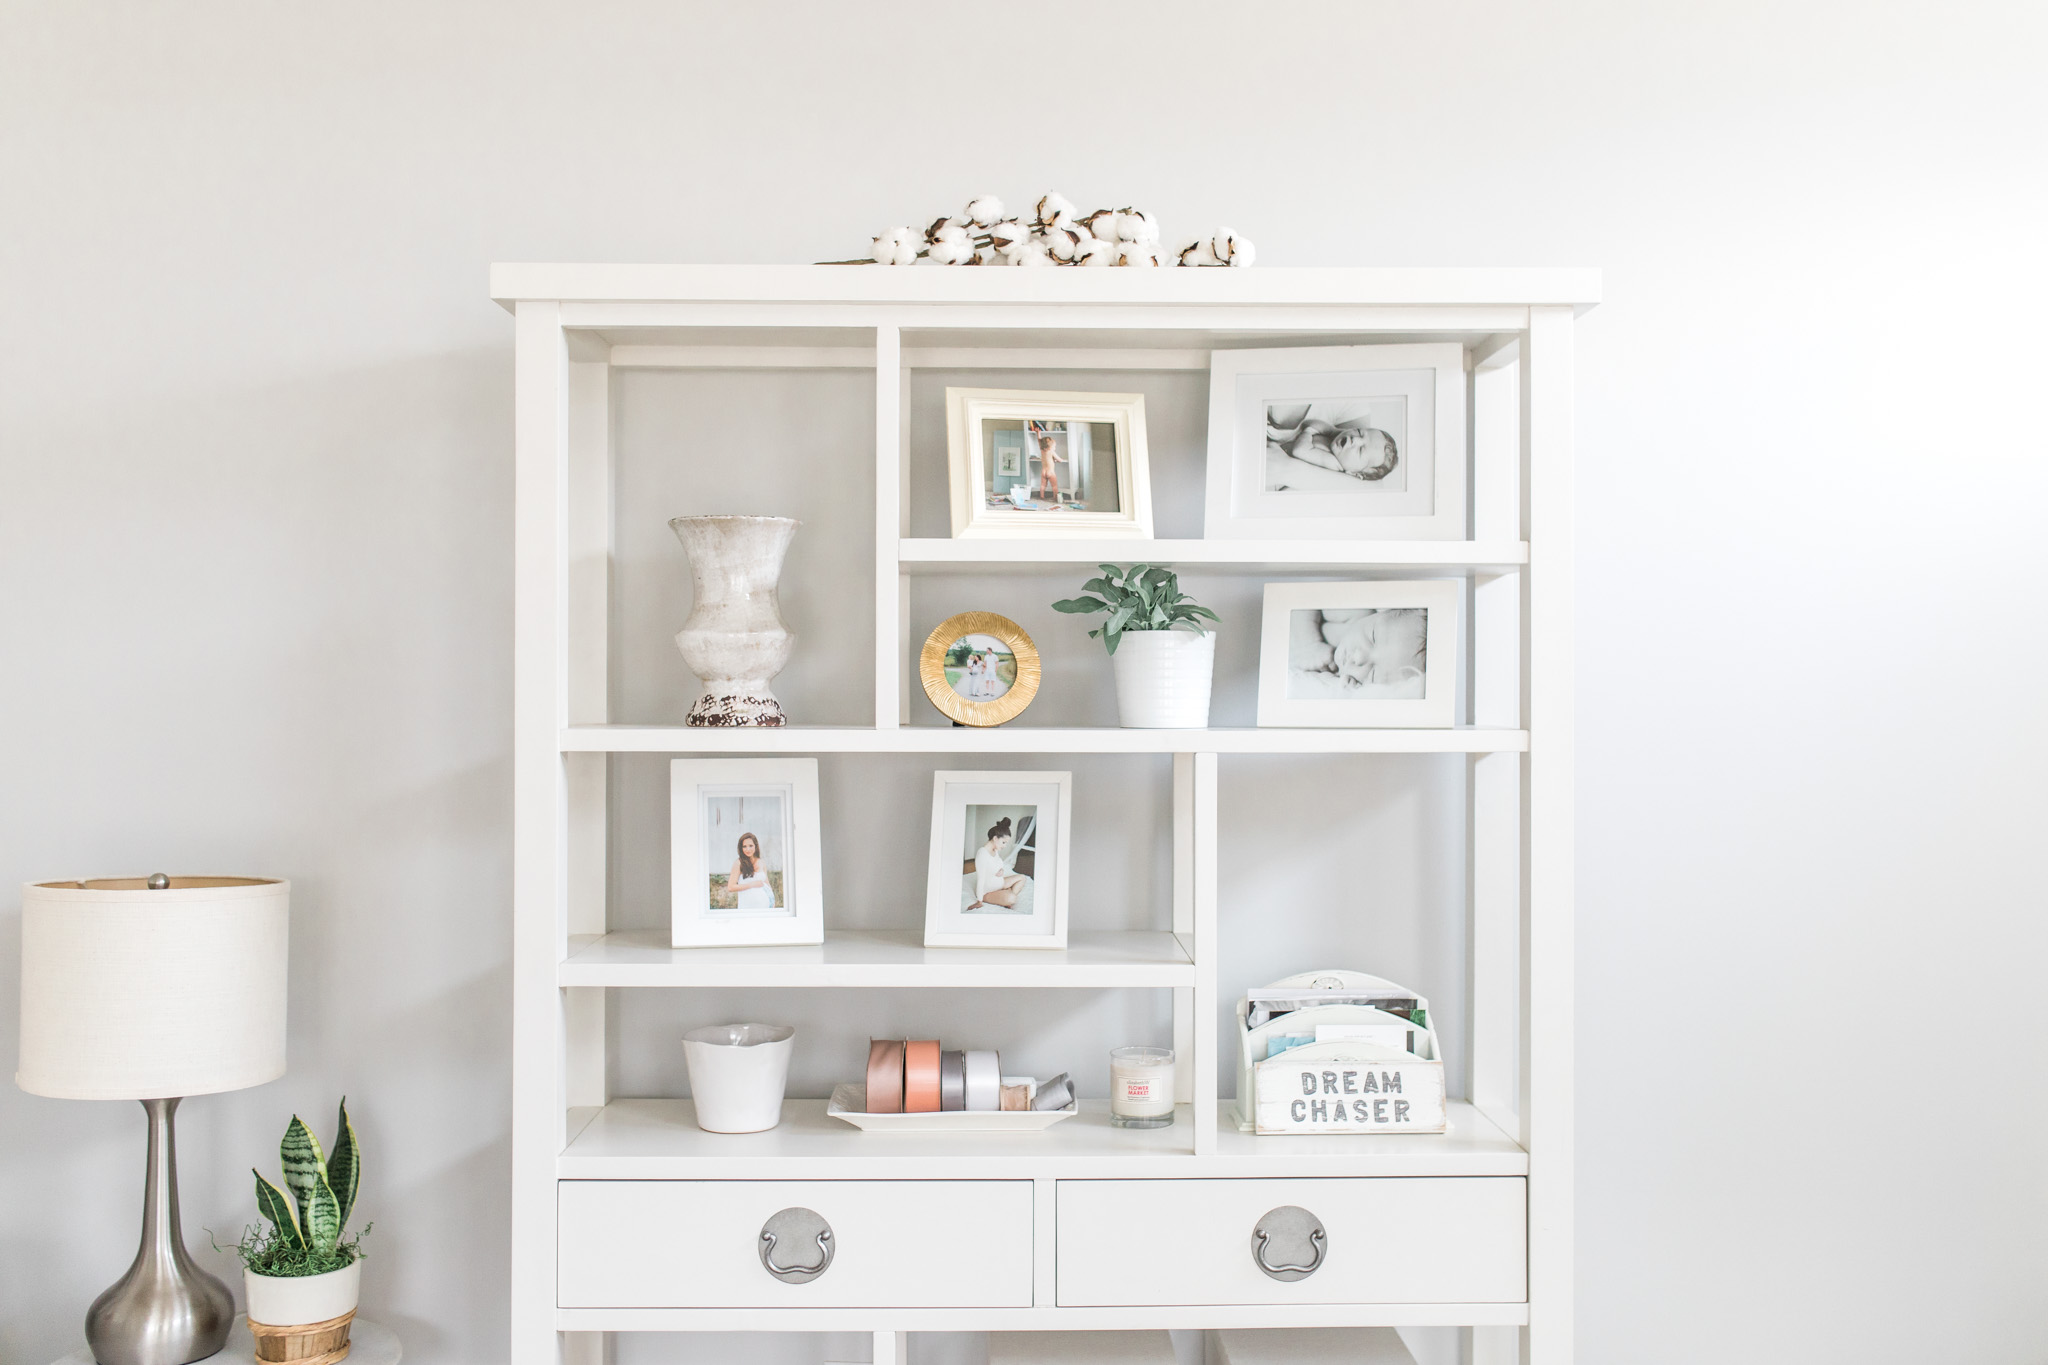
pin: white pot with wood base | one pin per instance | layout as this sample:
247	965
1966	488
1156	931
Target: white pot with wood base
302	1319
1163	678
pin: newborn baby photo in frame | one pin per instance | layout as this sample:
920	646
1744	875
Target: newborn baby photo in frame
1337	443
1359	654
1313	445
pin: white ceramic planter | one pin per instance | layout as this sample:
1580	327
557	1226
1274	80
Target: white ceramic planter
737	1073
735	640
1163	677
295	1300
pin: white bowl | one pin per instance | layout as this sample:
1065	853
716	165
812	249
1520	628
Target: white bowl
737	1074
296	1300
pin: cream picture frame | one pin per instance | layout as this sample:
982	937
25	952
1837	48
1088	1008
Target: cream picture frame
971	476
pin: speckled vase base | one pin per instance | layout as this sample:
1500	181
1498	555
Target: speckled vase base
737	704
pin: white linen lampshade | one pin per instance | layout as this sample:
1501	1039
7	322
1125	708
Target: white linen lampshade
129	993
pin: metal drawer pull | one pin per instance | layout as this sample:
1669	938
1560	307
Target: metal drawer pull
1292	1224
797	1226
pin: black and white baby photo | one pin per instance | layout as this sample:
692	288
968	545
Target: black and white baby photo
1357	653
1336	445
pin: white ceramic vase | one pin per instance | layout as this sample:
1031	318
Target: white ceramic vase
1163	677
737	1075
735	640
296	1300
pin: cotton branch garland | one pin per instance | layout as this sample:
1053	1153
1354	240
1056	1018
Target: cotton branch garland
1055	234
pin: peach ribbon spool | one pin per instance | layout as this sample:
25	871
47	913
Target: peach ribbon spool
921	1077
885	1076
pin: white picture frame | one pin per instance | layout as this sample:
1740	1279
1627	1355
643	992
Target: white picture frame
1249	493
716	801
951	919
973	465
1294	688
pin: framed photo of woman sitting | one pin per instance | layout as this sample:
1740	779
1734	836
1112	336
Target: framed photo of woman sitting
999	860
744	852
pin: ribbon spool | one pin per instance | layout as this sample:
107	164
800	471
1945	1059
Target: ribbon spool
952	1081
921	1076
984	1081
885	1076
1056	1093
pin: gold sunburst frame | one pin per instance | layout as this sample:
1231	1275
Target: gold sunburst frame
931	668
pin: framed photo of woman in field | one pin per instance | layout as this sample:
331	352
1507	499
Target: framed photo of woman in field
999	860
744	852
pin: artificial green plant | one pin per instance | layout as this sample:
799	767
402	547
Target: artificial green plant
305	1234
1142	597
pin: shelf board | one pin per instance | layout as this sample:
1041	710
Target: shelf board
1315	287
650	1139
1026	739
877	957
932	555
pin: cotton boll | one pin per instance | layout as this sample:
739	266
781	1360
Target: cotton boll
1228	245
896	242
985	210
1008	233
946	230
1054	208
1029	254
955	250
1242	251
1061	243
1197	252
1137	226
1095	251
986	253
1136	253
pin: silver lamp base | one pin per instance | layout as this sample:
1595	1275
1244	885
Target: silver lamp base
165	1310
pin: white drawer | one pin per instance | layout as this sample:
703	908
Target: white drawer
697	1243
1438	1239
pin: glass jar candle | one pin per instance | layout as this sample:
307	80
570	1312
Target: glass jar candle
1141	1087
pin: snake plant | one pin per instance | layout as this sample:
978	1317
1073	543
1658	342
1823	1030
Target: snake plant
305	1235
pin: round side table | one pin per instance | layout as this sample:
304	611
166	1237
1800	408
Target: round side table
369	1343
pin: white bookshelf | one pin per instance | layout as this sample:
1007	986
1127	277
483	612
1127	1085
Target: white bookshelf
1493	1195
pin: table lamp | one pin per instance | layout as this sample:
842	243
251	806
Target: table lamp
153	989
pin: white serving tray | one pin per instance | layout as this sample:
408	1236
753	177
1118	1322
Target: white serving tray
850	1102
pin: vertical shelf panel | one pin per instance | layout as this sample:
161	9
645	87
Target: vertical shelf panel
1184	1016
540	433
1207	1006
1548	833
587	528
888	525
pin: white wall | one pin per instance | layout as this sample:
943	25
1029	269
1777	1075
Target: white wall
254	537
